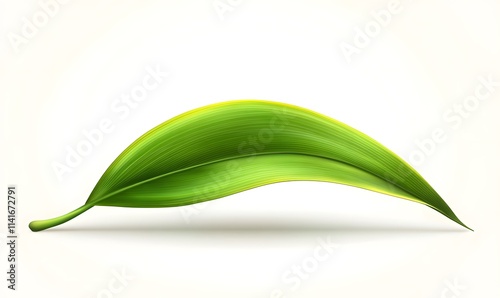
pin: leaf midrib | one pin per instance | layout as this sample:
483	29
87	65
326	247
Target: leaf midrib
241	157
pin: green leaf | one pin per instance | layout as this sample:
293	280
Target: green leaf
229	147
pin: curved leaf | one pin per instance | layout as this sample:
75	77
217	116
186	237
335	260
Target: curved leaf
226	148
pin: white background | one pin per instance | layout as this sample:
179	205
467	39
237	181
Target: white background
397	88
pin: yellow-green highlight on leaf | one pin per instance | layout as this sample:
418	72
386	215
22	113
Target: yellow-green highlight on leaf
225	148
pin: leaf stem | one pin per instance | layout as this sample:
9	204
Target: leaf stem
39	225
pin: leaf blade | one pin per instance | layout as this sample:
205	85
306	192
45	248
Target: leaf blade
262	130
